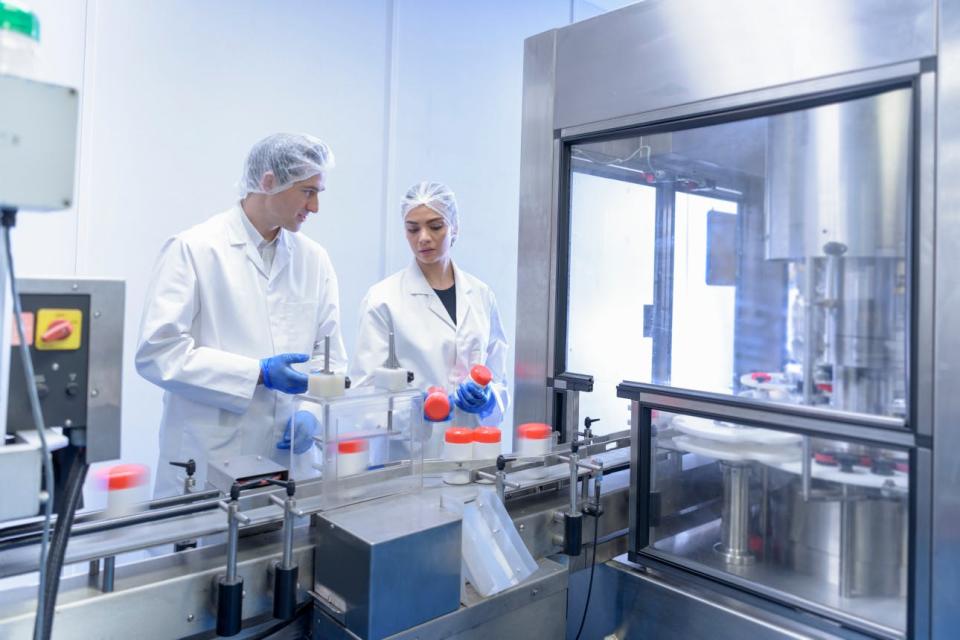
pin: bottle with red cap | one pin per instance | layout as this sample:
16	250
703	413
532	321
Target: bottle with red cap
126	487
458	447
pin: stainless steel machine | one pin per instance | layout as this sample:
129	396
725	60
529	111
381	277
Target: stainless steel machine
744	225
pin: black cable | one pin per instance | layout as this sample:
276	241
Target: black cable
593	566
8	219
283	624
61	535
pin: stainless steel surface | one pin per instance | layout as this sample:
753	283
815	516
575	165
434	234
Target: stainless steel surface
839	149
172	596
734	543
878	76
221	474
636	604
536	228
369	555
805	420
922	376
822	49
534	610
701	49
944	586
106	356
109	574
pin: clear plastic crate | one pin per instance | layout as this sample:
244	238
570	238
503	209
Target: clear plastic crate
370	444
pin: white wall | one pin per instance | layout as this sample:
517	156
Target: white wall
174	92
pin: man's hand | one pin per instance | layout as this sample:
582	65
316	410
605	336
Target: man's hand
277	374
304	426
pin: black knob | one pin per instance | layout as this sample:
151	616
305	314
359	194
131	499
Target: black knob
847	460
190	465
882	467
501	463
346	382
289	485
409	377
574	446
589	421
73	389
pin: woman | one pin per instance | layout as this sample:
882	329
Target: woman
443	319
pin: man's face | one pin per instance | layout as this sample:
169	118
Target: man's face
290	207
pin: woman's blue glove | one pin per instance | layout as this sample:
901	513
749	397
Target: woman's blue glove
473	398
305	426
280	376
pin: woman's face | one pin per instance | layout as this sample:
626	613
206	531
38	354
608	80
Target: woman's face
428	234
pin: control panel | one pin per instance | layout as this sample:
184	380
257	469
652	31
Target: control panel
74	330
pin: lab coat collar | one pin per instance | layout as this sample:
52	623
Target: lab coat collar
241	232
416	284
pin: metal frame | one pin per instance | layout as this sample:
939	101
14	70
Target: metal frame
646	398
944	586
598	90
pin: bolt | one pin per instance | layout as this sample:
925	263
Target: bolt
243	594
259	457
189	617
94	393
96	314
534	592
68	422
55	366
75	286
522	526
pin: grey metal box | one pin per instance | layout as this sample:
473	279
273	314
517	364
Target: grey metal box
388	565
38	144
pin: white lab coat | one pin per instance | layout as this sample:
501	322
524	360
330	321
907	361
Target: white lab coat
428	343
211	314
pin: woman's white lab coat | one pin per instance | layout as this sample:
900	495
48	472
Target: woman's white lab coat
212	312
428	343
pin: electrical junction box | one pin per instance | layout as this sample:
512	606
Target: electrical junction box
38	144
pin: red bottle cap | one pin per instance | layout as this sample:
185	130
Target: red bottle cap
481	375
458	435
352	446
535	431
123	476
436	406
489	435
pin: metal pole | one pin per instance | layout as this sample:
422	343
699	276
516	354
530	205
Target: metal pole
109	567
735	522
233	532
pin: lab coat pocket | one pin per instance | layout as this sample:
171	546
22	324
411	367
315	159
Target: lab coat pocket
299	327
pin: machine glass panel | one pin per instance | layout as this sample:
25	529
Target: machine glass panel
762	257
734	499
611	224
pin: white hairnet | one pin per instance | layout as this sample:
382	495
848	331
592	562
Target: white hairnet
290	157
438	197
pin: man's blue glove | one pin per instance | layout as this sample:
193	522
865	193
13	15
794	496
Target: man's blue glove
305	426
473	398
280	376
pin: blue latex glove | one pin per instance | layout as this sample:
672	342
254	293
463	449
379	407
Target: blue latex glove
280	376
473	398
305	426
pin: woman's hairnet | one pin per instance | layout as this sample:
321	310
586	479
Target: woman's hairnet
290	157
438	197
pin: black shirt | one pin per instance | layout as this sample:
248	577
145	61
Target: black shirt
449	299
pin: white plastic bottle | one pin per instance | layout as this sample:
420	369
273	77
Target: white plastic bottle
19	40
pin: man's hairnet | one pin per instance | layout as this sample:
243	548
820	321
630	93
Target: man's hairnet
290	157
438	197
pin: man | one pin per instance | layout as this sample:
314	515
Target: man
234	301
